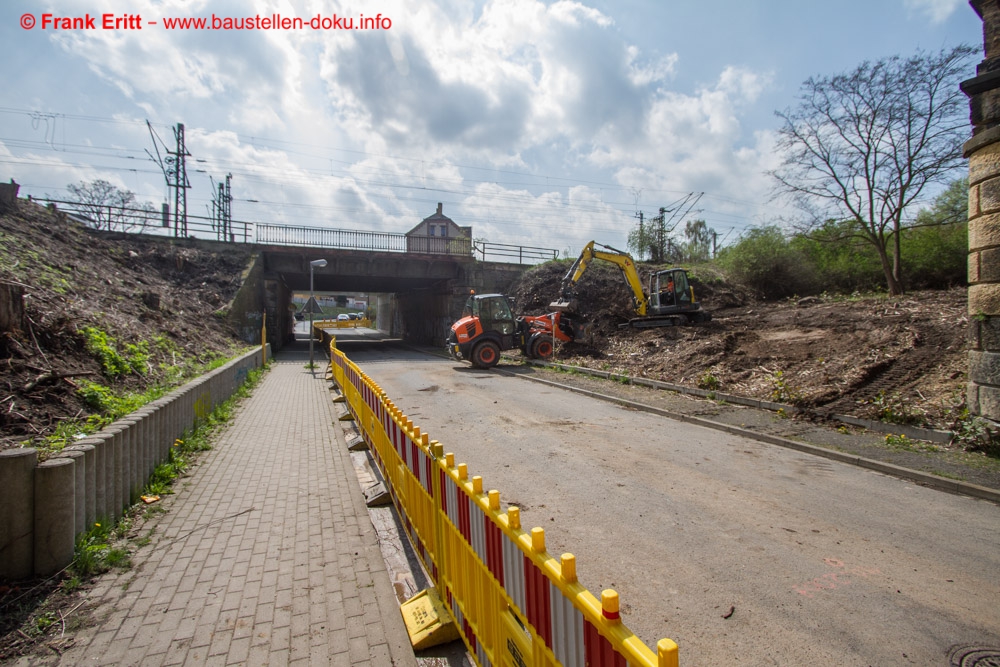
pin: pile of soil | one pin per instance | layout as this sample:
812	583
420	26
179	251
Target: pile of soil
135	290
897	359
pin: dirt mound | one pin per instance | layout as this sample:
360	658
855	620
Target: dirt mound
151	294
901	359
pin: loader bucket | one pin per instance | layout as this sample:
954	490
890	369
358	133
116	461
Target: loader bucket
563	305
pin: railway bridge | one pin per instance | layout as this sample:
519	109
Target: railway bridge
416	294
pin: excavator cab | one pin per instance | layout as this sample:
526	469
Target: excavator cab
669	292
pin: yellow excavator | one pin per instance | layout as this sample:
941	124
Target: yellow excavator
669	302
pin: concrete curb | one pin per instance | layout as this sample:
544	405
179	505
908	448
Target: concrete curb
924	479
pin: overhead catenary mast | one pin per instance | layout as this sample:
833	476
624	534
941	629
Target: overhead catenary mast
174	169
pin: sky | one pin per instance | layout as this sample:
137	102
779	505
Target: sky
536	123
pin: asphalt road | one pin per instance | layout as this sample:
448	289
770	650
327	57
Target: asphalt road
819	562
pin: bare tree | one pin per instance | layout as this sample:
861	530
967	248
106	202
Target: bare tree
108	206
864	146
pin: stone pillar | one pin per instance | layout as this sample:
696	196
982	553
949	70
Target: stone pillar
983	151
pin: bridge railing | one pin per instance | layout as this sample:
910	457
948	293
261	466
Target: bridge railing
350	239
486	251
147	220
320	237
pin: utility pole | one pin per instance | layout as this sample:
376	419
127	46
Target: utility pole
174	167
642	237
661	236
227	209
637	194
715	242
222	210
180	184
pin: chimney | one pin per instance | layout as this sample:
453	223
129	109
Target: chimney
439	208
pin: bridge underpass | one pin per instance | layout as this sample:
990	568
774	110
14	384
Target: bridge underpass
418	295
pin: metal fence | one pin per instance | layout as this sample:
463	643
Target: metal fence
349	239
147	220
500	252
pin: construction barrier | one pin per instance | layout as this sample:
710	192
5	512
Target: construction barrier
342	324
511	601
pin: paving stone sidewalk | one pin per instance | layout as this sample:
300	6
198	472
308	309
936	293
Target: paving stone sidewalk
265	556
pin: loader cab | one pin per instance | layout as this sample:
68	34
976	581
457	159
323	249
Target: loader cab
493	311
669	291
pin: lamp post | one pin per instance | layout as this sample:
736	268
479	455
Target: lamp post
316	263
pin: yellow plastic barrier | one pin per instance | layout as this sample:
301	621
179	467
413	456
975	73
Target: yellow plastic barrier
342	324
512	602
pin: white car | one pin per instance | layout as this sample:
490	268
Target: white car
343	317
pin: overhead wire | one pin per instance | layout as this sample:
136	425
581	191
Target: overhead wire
466	188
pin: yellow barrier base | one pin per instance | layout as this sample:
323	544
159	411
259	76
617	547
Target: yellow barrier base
340	399
346	417
427	620
377	496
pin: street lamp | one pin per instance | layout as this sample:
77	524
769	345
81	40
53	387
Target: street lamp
315	264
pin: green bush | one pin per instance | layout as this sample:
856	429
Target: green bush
935	257
841	263
765	261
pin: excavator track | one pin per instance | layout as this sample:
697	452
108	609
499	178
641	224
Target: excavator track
654	322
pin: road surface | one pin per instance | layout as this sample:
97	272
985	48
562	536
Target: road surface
814	562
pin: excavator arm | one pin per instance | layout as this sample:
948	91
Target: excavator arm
640	302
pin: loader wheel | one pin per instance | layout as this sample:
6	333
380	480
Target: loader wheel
541	348
486	355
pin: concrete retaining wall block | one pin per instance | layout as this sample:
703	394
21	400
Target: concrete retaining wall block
90	483
17	513
45	506
55	515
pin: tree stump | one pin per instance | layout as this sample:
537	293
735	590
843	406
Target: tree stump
11	308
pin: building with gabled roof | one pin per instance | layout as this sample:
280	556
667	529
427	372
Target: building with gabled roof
439	234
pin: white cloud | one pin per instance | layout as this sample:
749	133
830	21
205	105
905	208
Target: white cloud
937	11
743	85
516	85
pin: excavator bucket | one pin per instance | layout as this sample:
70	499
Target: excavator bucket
563	305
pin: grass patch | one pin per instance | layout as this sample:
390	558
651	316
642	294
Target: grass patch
975	434
99	550
708	381
132	359
947	475
893	409
782	391
110	404
902	443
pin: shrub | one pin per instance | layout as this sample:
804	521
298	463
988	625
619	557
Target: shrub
114	363
765	261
